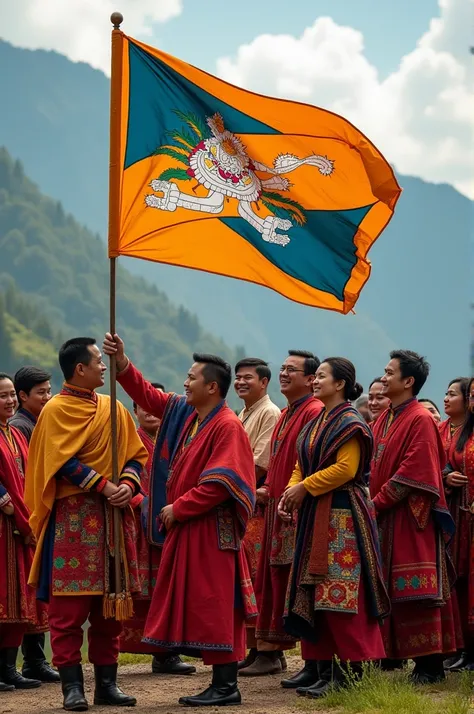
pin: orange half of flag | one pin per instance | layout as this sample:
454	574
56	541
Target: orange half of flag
217	178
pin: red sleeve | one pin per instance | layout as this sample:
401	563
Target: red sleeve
149	398
199	500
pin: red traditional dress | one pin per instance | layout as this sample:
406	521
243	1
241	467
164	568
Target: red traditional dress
18	607
414	524
459	500
148	557
206	472
73	523
279	537
336	596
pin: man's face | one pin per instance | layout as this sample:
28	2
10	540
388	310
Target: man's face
293	381
196	390
92	375
39	395
394	385
248	384
8	400
378	401
147	421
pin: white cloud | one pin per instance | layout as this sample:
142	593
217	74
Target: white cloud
80	29
420	116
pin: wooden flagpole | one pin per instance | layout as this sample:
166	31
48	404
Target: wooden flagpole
117	607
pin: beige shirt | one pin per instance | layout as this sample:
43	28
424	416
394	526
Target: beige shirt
259	422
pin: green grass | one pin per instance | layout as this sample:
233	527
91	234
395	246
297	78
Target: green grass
392	693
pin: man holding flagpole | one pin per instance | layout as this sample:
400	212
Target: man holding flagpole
71	497
202	493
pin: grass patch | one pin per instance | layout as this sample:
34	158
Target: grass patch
392	693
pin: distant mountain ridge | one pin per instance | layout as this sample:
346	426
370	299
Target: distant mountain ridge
417	297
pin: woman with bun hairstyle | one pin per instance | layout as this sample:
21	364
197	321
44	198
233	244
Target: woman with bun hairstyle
336	595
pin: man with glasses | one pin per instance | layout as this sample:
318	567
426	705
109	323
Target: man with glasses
296	385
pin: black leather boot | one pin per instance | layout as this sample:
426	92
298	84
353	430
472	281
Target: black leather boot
306	677
35	665
106	690
9	673
324	676
6	687
171	664
72	684
222	692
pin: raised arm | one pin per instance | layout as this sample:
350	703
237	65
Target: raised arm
133	382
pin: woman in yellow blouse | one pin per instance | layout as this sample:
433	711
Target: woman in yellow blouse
336	594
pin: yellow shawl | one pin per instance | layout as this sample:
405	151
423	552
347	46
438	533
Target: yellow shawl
73	426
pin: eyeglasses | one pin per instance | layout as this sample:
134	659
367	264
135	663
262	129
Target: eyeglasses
289	370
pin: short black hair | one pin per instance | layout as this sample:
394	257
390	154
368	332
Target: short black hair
215	369
412	365
311	362
157	385
74	352
28	377
259	365
4	375
374	381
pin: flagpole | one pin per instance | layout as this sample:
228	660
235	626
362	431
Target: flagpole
119	606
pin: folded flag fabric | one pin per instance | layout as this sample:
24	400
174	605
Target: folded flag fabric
220	179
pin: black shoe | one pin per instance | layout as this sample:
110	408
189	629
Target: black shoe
283	662
171	664
306	677
428	670
35	665
222	692
106	690
391	665
303	691
322	688
9	673
6	687
42	671
459	663
72	684
250	659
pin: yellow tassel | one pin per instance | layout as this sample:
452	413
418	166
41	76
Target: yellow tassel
124	607
109	606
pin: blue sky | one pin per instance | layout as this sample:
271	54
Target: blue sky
400	70
209	29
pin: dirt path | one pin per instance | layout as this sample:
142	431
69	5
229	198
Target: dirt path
158	694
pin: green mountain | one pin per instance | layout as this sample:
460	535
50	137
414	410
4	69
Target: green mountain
55	283
419	293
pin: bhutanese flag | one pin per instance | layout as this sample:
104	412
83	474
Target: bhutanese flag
216	178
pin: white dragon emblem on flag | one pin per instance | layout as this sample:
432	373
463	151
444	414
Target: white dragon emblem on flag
218	160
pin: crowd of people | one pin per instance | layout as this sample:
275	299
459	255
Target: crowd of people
342	522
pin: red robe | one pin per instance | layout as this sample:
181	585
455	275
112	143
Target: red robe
278	541
459	499
203	576
17	598
414	524
148	557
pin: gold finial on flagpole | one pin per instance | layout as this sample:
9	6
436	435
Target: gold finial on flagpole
116	19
